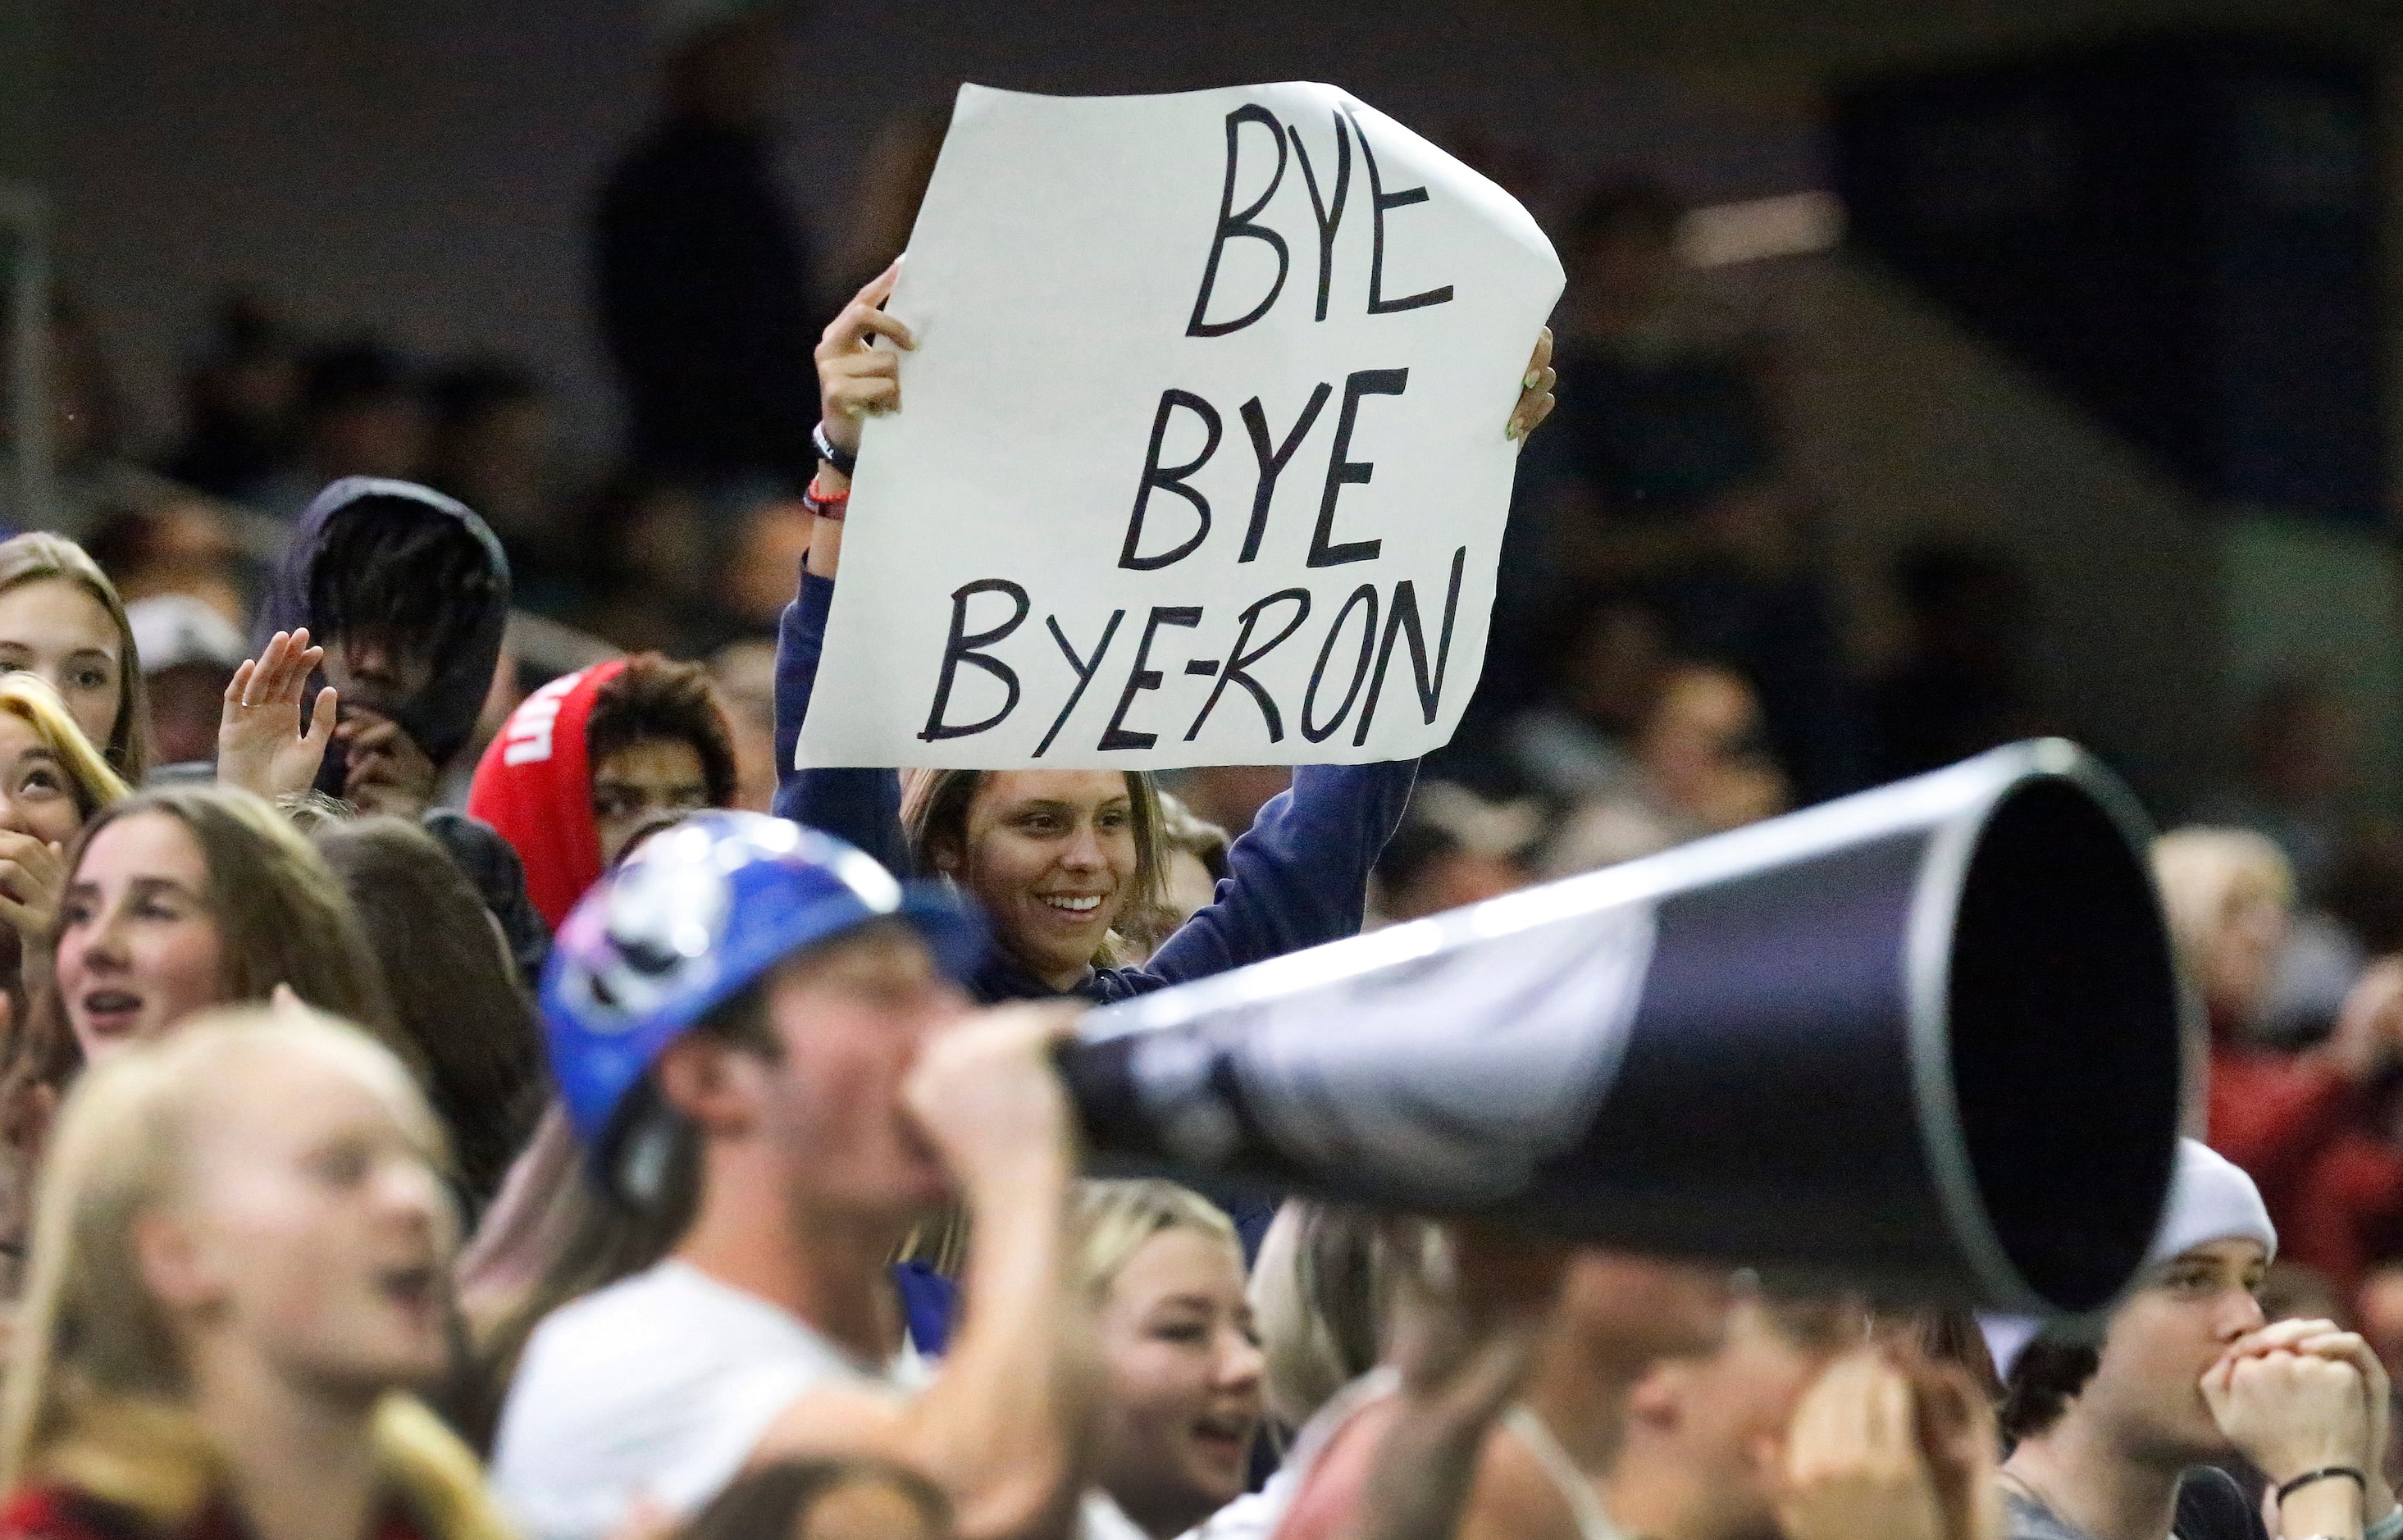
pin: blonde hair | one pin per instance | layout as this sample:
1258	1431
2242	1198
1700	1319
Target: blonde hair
1113	1220
2200	869
38	555
1323	1292
96	1394
30	699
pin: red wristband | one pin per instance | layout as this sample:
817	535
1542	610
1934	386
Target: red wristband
829	506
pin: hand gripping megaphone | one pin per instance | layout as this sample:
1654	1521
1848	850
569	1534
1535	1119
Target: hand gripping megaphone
1924	1040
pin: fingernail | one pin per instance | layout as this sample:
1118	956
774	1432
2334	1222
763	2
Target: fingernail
1510	429
1529	382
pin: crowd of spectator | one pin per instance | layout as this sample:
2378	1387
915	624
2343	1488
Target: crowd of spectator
423	1063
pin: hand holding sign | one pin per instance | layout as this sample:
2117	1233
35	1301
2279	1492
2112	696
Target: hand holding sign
1535	401
855	377
1202	461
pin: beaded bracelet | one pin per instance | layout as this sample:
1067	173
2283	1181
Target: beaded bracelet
829	506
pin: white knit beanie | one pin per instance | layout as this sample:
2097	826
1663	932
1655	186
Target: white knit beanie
2211	1199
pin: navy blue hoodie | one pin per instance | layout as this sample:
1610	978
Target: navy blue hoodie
1300	876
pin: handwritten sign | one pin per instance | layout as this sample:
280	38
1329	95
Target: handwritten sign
1200	455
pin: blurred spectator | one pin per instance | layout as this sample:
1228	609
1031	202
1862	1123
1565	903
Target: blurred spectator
650	549
188	654
360	413
892	183
1453	848
1605	674
1665	473
2293	1292
239	397
1668	412
182	545
87	431
2229	898
1700	767
1229	796
745	673
2366	890
1195	863
708	299
491	443
2299	1123
1960	688
762	571
1197	851
2299	744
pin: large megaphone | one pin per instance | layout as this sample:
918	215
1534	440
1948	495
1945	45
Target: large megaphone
1925	1040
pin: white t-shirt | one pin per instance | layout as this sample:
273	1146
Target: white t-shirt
658	1386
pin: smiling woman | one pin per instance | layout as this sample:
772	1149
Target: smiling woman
1057	857
1162	1271
1054	856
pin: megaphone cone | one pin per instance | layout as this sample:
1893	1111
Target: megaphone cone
1924	1040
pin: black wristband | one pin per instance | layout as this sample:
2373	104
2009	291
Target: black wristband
827	453
2313	1478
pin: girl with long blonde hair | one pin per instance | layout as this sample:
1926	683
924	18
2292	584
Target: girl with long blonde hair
238	1276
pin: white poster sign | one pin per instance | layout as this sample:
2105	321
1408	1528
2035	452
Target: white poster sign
1200	454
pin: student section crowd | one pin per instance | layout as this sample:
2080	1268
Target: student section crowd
443	1102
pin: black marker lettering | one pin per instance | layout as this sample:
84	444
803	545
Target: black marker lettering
961	648
1379	201
1238	661
1144	678
1342	473
1085	669
1367	592
1404	614
1330	213
1232	224
1171	478
1256	422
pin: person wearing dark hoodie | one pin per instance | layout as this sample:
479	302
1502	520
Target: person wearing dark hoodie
1056	856
408	593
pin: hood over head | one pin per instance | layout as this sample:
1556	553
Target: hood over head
441	717
534	787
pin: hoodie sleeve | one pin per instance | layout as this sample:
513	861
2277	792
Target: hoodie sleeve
863	806
1297	878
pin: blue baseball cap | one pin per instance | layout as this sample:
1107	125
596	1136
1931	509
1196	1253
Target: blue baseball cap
697	912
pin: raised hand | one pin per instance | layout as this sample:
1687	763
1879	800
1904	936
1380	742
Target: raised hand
857	378
1878	1447
33	876
262	744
